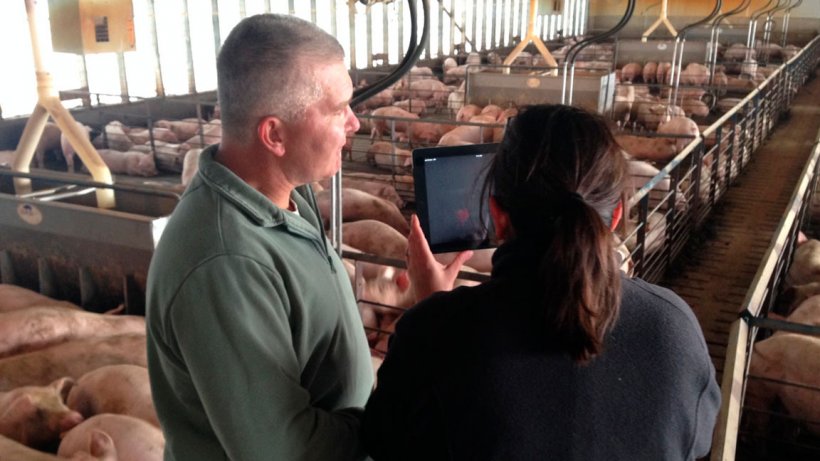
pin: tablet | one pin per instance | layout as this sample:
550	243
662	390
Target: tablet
448	182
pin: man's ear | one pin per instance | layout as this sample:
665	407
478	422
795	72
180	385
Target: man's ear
501	221
271	133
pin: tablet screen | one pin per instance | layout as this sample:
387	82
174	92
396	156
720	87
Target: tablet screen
448	182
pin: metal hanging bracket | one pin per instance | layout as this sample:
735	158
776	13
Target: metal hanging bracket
531	36
48	103
663	18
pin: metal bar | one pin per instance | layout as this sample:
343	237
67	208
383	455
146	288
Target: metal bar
215	24
351	10
123	78
160	88
484	44
385	34
476	45
313	11
189	53
267	6
242	12
452	26
440	28
401	29
292	7
369	31
503	39
493	38
332	18
464	25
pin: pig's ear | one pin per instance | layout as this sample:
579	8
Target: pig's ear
63	386
101	445
19	408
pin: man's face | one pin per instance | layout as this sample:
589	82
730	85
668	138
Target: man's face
314	142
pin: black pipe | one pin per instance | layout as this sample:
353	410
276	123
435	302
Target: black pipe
414	50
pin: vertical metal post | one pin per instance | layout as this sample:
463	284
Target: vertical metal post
123	77
440	28
333	18
313	11
503	39
401	28
84	81
484	33
291	7
351	9
189	53
267	6
385	34
474	31
215	24
452	25
464	25
369	32
494	20
242	11
155	43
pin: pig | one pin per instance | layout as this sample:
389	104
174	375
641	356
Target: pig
49	141
640	173
100	448
455	101
694	74
650	72
121	389
480	132
37	415
805	267
375	237
657	149
115	133
680	126
68	149
694	107
386	155
358	205
631	71
377	188
190	165
651	115
424	132
182	129
26	330
386	125
211	134
727	104
624	98
492	110
808	310
134	439
415	106
71	359
382	98
131	162
13	297
655	234
467	112
663	73
737	52
786	358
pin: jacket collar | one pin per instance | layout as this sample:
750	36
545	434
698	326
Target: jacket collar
253	203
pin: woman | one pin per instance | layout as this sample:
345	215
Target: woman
559	356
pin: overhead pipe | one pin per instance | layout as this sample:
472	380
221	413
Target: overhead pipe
414	50
572	53
749	66
714	38
680	41
786	21
769	23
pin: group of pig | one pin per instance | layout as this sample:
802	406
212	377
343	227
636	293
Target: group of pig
73	384
785	367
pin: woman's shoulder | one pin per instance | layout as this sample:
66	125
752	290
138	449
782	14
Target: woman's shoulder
656	302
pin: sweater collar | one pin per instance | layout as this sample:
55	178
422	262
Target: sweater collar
252	202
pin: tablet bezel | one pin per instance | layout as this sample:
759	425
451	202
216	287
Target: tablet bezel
423	201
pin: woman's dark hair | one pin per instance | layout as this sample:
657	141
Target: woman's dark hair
559	175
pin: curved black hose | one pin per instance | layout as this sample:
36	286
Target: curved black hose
414	50
715	11
572	53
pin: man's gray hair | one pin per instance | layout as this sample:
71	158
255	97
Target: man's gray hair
264	68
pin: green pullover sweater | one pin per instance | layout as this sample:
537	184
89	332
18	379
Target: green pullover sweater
256	350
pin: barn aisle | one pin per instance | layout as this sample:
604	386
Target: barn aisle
722	258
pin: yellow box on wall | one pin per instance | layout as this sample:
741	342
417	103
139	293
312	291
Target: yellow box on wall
92	26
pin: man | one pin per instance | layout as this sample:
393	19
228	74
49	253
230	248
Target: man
255	345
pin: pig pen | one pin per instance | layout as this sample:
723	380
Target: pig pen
55	240
771	379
